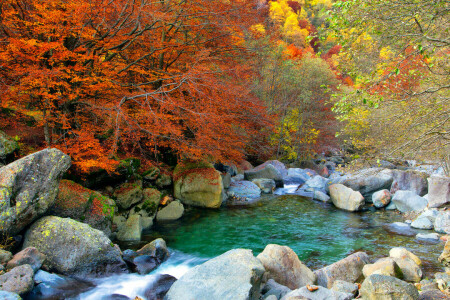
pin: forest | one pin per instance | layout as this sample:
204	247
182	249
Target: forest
225	80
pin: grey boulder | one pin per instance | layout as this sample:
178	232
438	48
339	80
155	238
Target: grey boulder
410	180
236	274
173	211
28	187
28	256
367	181
266	185
381	198
407	201
268	172
438	190
422	223
7	146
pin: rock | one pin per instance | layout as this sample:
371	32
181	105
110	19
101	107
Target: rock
244	166
347	269
144	264
367	181
384	266
159	287
266	185
320	294
284	267
411	271
391	206
301	174
444	258
432	295
321	196
131	231
400	252
346	198
19	280
431	214
28	187
53	286
273	288
236	274
242	192
400	229
163	181
381	198
74	248
422	223
407	201
157	249
442	222
28	256
317	183
151	174
281	168
5	256
198	184
438	190
409	180
79	203
7	146
345	287
430	238
238	177
381	287
128	193
9	296
226	180
268	172
173	211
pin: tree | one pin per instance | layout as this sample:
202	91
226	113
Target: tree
397	52
122	77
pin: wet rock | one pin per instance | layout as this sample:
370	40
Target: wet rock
317	183
28	256
19	280
7	146
384	266
320	293
284	267
367	181
348	269
173	211
131	231
409	180
345	287
430	238
156	248
74	248
198	184
321	196
400	229
242	191
28	187
381	198
407	201
9	296
422	223
345	198
442	222
53	286
159	287
273	288
378	287
144	264
268	172
266	185
128	193
299	174
438	190
236	274
391	206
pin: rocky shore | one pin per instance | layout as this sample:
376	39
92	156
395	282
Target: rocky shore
62	233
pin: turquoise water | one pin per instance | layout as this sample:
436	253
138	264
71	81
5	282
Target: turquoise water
319	233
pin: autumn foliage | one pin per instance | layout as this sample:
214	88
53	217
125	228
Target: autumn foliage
111	78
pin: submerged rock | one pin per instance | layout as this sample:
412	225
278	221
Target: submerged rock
198	184
284	267
74	248
400	229
236	274
378	287
28	187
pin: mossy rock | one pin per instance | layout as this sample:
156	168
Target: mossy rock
128	194
7	146
85	205
151	174
198	184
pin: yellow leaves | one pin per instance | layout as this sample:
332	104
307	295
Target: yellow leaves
258	30
386	53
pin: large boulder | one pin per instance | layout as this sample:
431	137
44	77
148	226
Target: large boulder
79	203
284	267
7	146
242	192
268	172
74	248
346	198
409	180
348	269
28	187
198	184
128	194
173	211
274	288
319	293
9	296
438	190
367	181
400	252
301	175
19	280
382	287
442	222
236	274
411	271
407	201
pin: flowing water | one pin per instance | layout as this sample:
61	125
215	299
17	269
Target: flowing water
319	233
